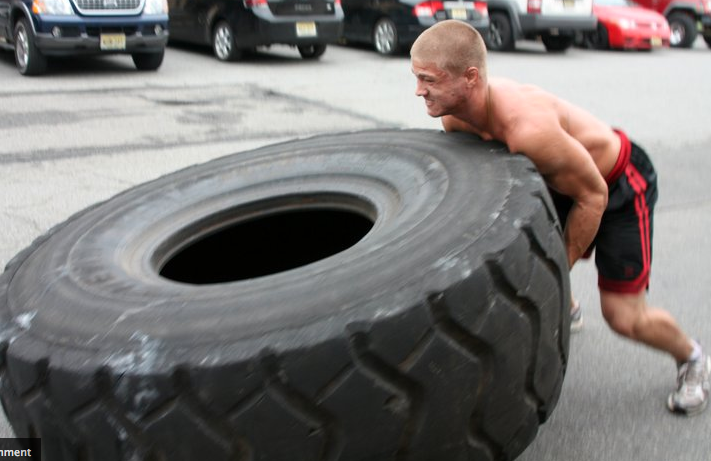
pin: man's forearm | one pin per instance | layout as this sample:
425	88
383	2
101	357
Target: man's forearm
580	230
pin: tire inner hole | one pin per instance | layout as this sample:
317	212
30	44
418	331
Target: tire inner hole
269	244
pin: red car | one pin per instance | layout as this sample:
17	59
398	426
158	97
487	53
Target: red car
622	24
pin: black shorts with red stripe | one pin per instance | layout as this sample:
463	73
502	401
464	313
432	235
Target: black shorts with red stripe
623	244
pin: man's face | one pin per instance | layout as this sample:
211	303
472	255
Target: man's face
443	92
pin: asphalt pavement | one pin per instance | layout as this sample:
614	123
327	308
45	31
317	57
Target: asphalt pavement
92	128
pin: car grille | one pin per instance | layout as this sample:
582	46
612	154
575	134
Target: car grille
302	8
97	31
649	25
102	6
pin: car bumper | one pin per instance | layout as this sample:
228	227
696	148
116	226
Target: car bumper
409	33
275	30
706	24
637	39
532	23
59	36
53	46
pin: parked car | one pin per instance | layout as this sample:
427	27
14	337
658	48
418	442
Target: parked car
393	25
686	18
232	27
555	21
622	24
37	29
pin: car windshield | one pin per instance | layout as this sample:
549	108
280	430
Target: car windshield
615	2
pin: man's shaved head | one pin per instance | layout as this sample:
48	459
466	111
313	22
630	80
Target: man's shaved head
453	46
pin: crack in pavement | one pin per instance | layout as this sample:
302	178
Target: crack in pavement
188	116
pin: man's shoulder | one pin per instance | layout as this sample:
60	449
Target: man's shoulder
529	126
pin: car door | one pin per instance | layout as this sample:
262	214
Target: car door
355	26
198	15
188	20
174	18
178	19
5	32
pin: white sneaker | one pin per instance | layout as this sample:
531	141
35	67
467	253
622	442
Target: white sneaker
692	393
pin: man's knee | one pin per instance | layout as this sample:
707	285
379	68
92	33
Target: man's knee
625	314
621	324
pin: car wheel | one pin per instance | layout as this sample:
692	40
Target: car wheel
598	39
29	59
385	37
223	42
312	51
557	43
365	295
148	61
500	37
683	30
707	39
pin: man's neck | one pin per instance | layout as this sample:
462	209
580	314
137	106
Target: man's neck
479	114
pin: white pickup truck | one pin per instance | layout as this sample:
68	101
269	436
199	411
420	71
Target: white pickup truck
554	21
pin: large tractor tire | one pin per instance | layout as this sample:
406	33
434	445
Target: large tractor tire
380	295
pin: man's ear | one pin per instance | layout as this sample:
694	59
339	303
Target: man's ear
472	76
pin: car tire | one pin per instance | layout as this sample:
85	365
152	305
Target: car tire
224	45
312	51
28	58
500	36
598	39
557	43
385	37
148	61
372	295
683	30
707	39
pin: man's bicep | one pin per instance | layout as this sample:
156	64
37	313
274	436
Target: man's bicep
578	177
564	163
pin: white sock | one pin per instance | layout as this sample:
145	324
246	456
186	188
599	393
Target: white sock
695	352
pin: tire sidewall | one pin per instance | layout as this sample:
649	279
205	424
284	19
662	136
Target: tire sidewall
233	53
392	46
36	62
505	33
688	27
100	266
148	61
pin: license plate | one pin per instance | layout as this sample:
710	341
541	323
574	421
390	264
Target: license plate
458	13
113	41
568	3
656	41
305	29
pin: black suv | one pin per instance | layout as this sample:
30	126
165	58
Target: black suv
234	26
36	29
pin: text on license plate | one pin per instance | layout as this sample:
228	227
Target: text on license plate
305	29
656	41
459	13
113	41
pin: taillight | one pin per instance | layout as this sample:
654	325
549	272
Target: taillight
482	8
534	6
254	3
427	9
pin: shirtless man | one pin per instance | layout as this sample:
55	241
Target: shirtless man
603	185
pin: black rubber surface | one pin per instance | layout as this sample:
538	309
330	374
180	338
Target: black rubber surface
380	295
